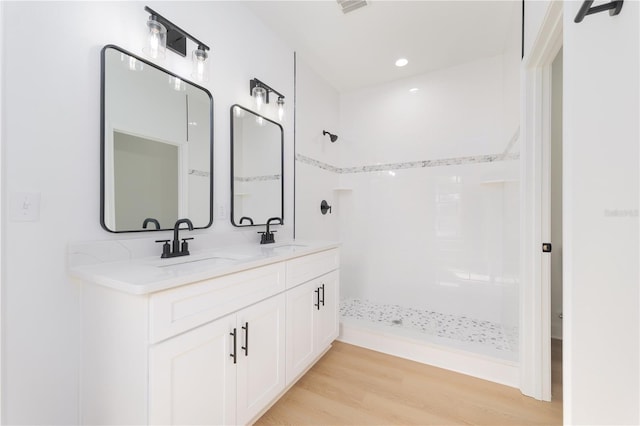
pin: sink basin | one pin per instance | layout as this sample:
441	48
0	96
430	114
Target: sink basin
190	266
194	263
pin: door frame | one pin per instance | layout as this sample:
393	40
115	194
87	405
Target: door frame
535	283
2	203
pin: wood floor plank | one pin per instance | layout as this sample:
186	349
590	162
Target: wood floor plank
356	386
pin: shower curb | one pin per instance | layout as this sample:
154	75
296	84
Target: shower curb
483	367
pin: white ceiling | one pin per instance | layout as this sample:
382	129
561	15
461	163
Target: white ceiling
359	49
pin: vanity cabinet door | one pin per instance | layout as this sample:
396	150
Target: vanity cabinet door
327	317
261	356
192	377
301	344
312	322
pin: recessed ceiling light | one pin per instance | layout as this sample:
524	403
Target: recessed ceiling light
401	62
414	89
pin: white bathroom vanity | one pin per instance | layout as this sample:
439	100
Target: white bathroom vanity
211	338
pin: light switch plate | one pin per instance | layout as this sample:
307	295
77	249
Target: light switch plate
24	207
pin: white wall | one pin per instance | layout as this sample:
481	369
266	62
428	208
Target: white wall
51	140
440	238
601	234
456	112
317	110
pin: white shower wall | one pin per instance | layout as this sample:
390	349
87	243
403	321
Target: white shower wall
431	217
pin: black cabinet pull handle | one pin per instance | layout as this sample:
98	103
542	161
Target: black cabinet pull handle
233	354
246	339
322	295
317	292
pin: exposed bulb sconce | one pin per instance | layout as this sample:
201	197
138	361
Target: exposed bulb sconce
280	109
260	93
156	39
200	64
164	33
331	135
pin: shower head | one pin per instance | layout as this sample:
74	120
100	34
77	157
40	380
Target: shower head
331	136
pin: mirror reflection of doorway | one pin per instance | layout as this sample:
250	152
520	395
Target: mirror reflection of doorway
146	181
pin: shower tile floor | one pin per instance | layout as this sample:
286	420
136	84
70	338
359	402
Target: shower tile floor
459	331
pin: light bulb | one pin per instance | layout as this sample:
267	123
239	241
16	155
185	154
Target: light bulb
200	65
154	42
260	95
280	109
157	39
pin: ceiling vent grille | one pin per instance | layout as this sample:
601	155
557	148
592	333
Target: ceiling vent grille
351	5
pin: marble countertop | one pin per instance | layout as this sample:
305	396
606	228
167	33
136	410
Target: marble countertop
151	274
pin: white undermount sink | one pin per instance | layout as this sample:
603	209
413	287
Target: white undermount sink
194	262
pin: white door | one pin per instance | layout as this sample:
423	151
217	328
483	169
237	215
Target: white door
261	355
302	303
327	316
192	377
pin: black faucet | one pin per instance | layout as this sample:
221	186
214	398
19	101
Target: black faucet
149	220
243	218
176	249
267	236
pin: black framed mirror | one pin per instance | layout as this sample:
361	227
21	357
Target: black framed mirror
156	146
257	167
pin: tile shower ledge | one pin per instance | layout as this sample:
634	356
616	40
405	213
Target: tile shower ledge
151	274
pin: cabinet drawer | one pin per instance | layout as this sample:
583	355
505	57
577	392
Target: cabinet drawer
177	310
309	267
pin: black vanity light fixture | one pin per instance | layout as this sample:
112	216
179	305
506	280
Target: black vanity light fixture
164	33
331	135
260	92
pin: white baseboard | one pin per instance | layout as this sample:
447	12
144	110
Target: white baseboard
483	367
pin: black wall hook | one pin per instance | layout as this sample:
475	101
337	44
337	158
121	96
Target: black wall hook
613	7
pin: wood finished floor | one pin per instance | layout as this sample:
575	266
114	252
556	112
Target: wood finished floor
355	386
